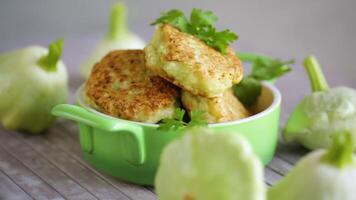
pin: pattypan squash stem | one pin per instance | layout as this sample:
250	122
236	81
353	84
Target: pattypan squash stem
118	21
316	76
251	57
49	61
340	153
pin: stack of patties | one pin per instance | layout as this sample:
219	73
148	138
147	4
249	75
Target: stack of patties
120	85
142	85
204	74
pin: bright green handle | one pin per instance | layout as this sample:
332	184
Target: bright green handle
81	115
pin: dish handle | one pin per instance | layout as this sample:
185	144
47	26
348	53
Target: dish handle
83	116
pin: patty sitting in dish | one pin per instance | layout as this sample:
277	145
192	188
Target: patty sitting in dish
121	86
190	64
218	109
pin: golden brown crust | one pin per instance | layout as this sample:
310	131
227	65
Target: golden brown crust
202	61
183	48
217	109
120	85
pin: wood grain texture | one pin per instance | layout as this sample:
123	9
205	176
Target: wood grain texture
73	169
65	136
9	190
67	187
280	165
25	178
291	153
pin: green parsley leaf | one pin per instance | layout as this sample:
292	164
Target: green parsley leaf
266	69
201	18
179	114
175	18
169	124
205	34
178	123
263	68
222	40
197	119
201	25
175	123
248	90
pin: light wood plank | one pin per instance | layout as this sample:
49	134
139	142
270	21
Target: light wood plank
39	165
10	191
74	169
68	141
27	180
291	153
271	177
280	165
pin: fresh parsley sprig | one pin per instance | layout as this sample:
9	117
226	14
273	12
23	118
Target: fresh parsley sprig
175	18
201	25
268	69
263	68
196	119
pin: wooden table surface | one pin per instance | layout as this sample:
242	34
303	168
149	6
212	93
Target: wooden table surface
51	166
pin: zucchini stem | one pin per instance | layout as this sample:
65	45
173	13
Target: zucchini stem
340	153
49	61
118	21
316	75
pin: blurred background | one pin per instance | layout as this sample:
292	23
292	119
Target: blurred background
280	28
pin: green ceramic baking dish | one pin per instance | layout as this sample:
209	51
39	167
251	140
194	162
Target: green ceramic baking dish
131	150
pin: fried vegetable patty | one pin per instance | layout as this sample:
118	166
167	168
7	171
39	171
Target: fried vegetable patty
217	109
120	85
189	63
